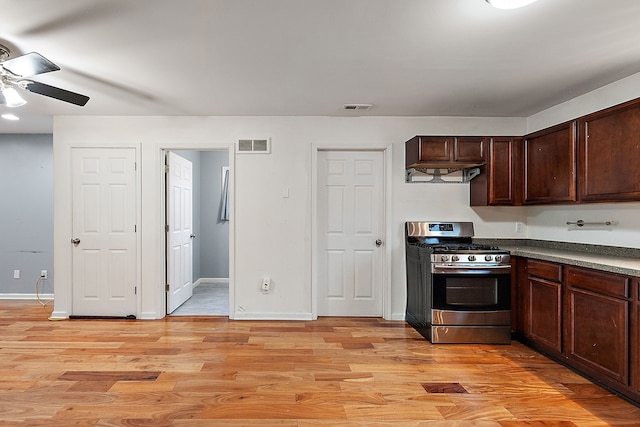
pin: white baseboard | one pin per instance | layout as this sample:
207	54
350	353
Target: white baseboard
44	297
397	316
215	280
241	315
59	315
149	315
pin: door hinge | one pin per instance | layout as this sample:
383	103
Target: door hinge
135	166
166	228
135	228
135	290
166	168
166	287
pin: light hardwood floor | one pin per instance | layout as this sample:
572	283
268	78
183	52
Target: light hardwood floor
201	371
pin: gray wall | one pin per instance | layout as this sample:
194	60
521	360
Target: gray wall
211	245
26	212
215	242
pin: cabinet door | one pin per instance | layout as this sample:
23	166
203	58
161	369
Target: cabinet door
498	183
609	154
501	170
634	343
598	334
550	165
436	148
519	295
469	149
545	314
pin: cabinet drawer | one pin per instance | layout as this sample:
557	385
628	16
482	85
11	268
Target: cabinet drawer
596	281
545	270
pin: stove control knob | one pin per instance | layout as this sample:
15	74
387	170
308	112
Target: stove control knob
455	258
498	258
487	257
444	258
472	257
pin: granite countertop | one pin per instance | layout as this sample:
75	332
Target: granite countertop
606	258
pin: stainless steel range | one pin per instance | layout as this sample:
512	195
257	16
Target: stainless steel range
457	291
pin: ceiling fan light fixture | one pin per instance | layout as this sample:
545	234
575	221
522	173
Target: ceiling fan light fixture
509	4
11	98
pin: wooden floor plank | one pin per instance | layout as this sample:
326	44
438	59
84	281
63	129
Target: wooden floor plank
194	371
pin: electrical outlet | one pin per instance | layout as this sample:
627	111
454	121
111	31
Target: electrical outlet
266	285
43	274
16	274
519	227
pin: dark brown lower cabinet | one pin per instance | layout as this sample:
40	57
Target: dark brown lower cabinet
635	338
598	334
543	302
597	313
588	319
545	307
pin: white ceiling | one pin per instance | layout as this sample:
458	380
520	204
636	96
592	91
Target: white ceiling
309	57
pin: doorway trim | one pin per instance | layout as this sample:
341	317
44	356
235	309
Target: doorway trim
386	257
163	201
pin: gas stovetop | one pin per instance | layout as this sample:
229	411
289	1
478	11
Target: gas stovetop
451	243
444	247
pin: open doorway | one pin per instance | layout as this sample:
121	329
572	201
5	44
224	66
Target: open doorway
210	228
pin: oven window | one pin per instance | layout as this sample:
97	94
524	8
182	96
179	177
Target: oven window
464	291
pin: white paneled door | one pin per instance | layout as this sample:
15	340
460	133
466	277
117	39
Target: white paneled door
180	231
104	227
350	233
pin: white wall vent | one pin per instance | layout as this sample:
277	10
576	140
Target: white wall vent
351	107
262	146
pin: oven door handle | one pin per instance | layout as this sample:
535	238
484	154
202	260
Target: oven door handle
455	269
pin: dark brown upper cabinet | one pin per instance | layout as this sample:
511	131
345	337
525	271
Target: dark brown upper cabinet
445	152
609	154
549	165
498	183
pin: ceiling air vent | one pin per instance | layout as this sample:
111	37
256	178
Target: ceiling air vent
353	107
262	146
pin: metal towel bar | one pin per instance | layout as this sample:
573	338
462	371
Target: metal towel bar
581	223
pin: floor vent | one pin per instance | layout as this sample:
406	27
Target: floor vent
262	146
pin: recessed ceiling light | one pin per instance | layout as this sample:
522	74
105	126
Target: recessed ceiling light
509	4
9	116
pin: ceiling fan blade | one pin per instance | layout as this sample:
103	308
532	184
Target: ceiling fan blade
29	64
55	92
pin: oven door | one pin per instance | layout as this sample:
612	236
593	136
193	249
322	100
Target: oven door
472	290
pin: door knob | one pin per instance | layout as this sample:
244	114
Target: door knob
75	241
193	236
378	242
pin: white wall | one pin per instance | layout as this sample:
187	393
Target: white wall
271	235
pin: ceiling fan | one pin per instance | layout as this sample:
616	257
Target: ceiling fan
13	72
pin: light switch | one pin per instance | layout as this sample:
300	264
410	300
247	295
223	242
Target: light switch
16	274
